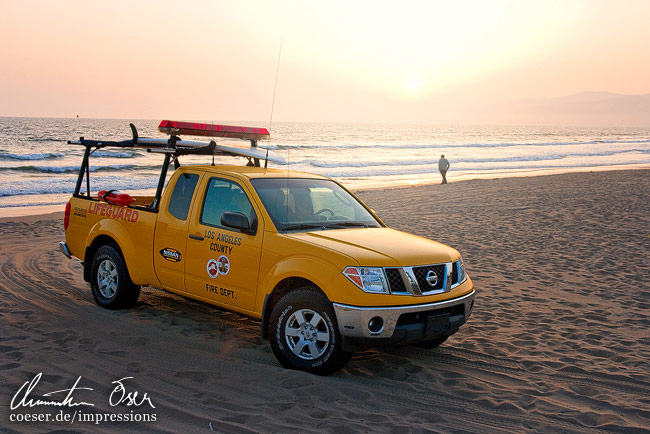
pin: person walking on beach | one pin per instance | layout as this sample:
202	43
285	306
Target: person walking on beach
443	166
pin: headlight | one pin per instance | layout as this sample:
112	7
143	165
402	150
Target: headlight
368	279
461	271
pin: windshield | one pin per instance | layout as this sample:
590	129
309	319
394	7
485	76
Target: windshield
311	204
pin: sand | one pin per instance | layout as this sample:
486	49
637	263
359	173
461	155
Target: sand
559	340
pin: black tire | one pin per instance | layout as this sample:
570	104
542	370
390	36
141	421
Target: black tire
315	344
110	281
433	343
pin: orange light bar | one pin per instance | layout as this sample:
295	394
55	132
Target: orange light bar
212	130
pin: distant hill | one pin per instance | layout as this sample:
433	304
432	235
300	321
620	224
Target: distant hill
581	109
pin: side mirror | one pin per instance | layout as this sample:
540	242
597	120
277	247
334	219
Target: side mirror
236	220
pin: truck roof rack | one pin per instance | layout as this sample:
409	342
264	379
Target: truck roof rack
174	146
177	146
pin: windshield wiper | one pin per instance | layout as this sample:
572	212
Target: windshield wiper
347	224
331	225
303	226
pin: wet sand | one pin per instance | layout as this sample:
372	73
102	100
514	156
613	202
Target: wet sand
559	340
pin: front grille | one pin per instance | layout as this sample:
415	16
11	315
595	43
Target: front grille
395	281
454	273
421	276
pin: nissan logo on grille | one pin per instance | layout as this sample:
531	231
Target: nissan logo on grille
432	278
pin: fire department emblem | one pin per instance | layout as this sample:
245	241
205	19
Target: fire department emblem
223	264
213	269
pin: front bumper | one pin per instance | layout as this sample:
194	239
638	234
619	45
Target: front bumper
404	323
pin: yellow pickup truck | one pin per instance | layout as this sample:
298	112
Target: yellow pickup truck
296	250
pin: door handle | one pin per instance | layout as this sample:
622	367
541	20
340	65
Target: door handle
196	237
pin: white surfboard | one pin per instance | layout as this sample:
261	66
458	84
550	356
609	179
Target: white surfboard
196	129
220	149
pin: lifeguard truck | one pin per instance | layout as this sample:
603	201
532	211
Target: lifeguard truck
323	274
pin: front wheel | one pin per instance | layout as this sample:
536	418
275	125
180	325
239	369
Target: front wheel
110	281
304	334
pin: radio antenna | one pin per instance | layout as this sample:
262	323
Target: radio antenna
275	87
286	213
277	72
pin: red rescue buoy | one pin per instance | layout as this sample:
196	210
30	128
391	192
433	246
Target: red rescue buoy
114	197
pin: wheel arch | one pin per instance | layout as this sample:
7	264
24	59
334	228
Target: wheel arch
113	232
283	287
99	241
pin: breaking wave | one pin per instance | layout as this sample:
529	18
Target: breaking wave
109	154
428	170
65	186
75	169
328	164
40	156
407	146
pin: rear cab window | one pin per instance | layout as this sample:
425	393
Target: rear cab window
181	199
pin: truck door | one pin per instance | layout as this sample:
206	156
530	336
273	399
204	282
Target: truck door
170	240
223	263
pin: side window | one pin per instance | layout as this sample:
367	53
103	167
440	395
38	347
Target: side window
179	204
225	196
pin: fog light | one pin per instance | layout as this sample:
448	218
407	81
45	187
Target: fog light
376	324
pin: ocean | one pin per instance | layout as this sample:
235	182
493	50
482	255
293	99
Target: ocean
38	167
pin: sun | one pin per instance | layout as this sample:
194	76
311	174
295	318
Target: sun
412	84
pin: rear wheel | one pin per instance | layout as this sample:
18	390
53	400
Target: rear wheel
304	334
110	281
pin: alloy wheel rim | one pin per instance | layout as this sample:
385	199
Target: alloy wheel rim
107	278
307	334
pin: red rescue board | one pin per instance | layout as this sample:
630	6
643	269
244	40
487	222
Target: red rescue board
212	130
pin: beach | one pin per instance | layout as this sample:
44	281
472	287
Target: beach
558	340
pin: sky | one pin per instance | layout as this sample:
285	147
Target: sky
340	61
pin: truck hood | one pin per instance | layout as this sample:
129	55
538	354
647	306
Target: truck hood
381	247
